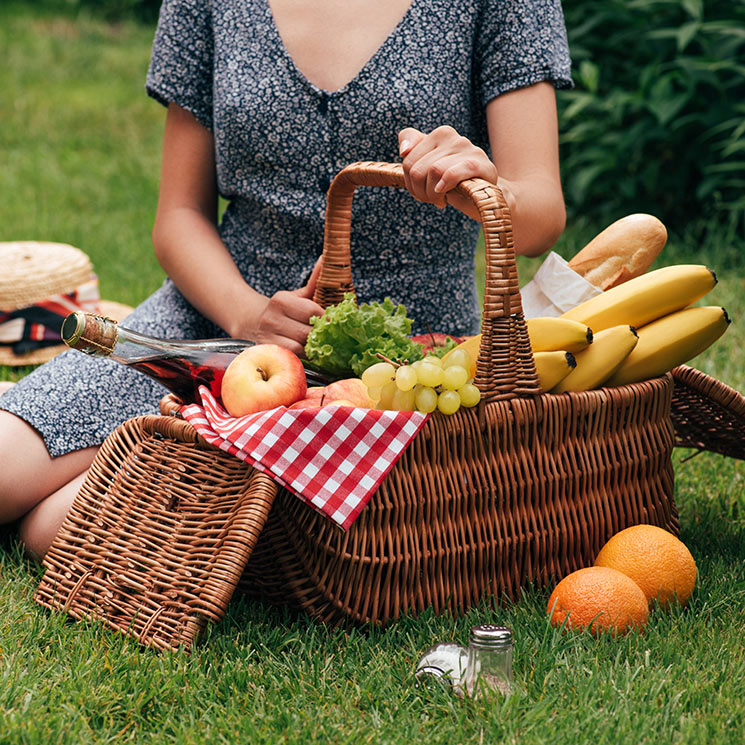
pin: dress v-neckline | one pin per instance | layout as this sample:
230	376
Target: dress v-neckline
362	71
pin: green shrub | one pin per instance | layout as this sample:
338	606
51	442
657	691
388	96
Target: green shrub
656	122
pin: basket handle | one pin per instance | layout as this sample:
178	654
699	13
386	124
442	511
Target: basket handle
505	367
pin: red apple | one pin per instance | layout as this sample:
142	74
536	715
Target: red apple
263	377
347	392
435	339
307	403
348	389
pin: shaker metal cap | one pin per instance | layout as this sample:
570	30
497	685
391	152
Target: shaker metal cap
445	661
489	636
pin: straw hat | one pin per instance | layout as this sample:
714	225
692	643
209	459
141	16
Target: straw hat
31	272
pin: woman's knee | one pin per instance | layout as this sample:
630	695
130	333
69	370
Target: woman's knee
28	473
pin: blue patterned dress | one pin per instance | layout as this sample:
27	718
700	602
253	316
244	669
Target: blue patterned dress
279	140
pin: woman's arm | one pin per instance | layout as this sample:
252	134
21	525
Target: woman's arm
523	136
188	246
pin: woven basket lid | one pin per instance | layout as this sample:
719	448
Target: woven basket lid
35	270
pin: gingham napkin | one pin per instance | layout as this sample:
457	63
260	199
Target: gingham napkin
333	458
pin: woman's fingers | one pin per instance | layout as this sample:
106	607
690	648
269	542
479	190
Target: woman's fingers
408	138
309	288
426	175
286	319
451	170
292	305
288	342
435	163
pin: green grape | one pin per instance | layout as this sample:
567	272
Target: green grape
375	392
425	399
458	357
378	374
469	394
433	360
406	378
429	375
448	402
387	393
454	377
403	400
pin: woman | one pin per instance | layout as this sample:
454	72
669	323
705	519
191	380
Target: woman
266	101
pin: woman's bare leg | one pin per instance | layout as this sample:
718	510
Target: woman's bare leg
28	474
39	527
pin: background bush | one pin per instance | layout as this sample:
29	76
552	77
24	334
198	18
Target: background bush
656	122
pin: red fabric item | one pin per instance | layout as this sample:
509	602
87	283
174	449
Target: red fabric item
333	458
39	324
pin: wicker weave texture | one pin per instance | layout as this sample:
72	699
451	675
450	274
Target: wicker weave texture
34	270
158	535
480	504
707	414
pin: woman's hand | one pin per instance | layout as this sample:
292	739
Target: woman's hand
437	162
524	164
285	316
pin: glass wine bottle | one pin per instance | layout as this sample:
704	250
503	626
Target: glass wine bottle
181	365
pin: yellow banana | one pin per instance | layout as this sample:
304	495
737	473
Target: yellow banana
670	341
471	345
644	299
546	335
600	360
552	334
553	367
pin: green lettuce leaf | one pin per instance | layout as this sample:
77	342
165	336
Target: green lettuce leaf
347	337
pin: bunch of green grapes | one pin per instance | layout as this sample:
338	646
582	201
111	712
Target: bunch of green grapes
424	385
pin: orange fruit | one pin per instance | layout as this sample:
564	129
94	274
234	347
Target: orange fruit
600	599
655	559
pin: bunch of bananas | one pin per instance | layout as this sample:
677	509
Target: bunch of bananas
632	332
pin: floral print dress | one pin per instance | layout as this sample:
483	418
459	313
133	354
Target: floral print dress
279	141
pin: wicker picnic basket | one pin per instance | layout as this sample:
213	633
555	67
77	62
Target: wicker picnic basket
523	488
707	414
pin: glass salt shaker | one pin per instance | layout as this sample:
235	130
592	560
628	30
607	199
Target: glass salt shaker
444	663
489	667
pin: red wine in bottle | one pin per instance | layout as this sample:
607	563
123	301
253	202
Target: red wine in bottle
181	365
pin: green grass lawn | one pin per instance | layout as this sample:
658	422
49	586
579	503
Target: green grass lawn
79	148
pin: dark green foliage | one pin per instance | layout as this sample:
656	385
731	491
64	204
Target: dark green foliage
656	122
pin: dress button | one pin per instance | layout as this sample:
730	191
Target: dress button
324	182
323	104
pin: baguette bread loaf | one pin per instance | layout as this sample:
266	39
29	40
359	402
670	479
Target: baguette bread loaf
624	250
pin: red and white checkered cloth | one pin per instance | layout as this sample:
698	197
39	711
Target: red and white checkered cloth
333	458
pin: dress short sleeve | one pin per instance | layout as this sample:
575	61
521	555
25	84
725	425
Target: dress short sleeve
519	43
181	66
